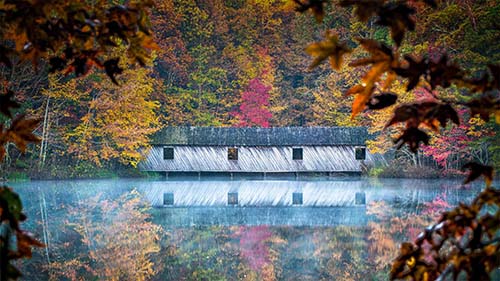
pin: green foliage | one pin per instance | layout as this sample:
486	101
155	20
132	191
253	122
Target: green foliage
375	172
18	176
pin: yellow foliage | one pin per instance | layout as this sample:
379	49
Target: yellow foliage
120	239
331	107
118	119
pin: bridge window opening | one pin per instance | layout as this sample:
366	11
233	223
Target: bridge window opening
232	198
360	198
297	198
232	153
360	153
168	199
168	153
297	153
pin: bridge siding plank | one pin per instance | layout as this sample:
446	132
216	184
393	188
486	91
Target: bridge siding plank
340	158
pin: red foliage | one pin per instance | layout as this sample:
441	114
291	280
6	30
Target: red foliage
253	111
457	140
436	206
253	245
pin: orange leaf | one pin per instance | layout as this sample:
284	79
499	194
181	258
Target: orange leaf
329	48
363	95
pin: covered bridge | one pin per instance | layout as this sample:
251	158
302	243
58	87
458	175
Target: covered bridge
257	150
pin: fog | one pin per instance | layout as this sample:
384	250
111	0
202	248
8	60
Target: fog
187	229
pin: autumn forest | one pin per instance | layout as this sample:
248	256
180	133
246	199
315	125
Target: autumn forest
243	63
86	85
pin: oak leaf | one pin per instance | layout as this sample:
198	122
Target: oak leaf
7	102
398	17
412	136
329	48
316	6
381	58
476	170
21	132
382	101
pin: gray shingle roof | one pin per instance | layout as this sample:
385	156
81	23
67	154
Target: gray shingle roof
278	136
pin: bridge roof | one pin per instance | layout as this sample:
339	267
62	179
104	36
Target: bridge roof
277	136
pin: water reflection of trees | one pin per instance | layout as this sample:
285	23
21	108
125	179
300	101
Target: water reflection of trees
116	241
391	226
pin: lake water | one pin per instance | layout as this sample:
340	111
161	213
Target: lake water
341	229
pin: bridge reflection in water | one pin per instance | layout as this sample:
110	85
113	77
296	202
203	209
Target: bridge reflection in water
257	203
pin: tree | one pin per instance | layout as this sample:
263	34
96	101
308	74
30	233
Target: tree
112	122
254	110
460	144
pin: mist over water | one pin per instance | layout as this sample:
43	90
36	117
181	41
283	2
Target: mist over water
340	229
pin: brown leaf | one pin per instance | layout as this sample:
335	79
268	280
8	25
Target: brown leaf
484	106
329	48
364	9
431	114
443	73
412	136
404	113
7	102
416	68
316	7
382	101
24	243
57	64
443	113
21	132
381	58
112	68
398	17
379	52
477	170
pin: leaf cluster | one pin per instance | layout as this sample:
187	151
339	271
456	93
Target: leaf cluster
20	131
74	35
14	242
385	65
11	249
464	240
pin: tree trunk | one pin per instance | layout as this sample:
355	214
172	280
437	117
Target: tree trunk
43	145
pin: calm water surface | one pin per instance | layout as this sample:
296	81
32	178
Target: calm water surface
345	229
